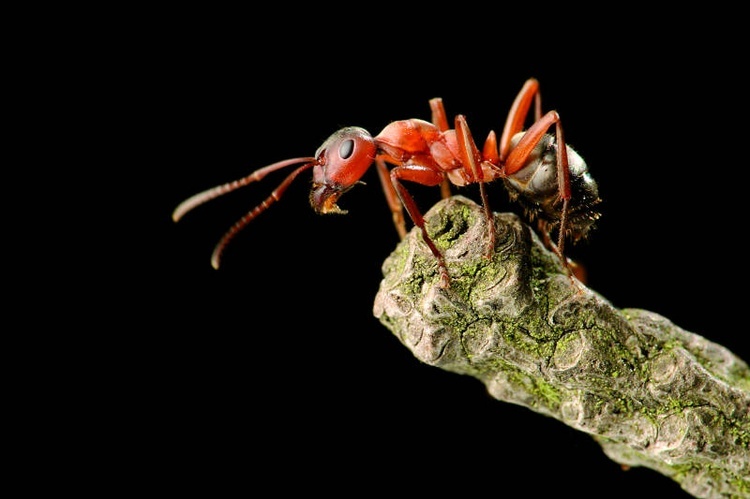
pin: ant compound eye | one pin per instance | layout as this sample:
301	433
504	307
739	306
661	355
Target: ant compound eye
346	149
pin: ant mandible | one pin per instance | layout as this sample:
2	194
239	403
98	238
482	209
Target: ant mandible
547	177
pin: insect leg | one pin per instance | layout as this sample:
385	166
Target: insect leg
425	176
472	159
392	198
440	120
518	113
519	155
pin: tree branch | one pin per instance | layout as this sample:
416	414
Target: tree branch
651	393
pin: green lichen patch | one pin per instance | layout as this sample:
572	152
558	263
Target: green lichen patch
650	393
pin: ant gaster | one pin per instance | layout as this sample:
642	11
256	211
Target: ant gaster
547	177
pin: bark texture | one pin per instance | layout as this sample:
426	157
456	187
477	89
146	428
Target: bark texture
651	393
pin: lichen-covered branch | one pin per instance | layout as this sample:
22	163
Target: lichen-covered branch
651	393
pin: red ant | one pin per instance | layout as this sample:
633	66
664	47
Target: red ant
546	176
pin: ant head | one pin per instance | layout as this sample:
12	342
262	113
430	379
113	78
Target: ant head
339	164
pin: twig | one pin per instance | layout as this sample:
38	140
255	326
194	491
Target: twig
651	393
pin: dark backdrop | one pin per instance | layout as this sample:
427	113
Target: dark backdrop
275	364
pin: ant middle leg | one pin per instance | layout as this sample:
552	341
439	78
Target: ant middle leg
440	120
472	161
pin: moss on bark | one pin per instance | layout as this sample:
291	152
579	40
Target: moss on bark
651	393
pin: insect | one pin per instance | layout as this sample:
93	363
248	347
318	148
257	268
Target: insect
539	170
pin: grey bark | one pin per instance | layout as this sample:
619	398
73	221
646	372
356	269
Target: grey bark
651	393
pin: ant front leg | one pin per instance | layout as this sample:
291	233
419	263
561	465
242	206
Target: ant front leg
429	177
392	198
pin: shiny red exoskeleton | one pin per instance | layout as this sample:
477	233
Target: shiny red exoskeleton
546	176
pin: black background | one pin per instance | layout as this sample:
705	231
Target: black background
274	366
